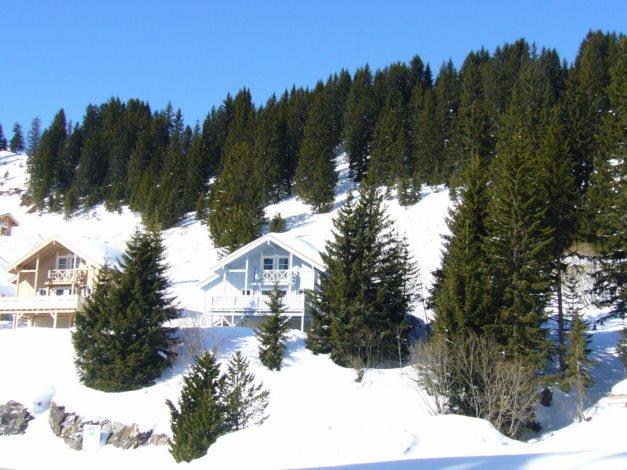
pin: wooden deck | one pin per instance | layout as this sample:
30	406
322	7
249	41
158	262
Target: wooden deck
27	308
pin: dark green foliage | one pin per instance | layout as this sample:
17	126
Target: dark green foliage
621	347
359	122
121	341
607	197
236	214
519	240
34	136
244	400
463	300
360	309
199	419
272	331
3	139
17	141
277	223
315	174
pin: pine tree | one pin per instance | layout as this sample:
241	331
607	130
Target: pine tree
121	342
271	334
621	347
269	151
518	239
3	140
359	122
577	376
34	135
199	419
463	302
607	197
315	175
236	214
277	223
244	400
17	141
361	306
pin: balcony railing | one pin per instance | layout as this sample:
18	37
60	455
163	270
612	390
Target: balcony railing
253	303
41	303
68	276
277	276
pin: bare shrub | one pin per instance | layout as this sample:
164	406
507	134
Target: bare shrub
433	370
473	376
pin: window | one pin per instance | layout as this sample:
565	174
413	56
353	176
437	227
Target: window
62	291
284	264
67	262
268	264
245	292
42	291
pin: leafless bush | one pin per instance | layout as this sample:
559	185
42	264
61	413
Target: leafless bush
432	365
357	363
193	333
474	374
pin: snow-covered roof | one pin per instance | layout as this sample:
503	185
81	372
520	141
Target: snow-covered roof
299	246
10	216
93	251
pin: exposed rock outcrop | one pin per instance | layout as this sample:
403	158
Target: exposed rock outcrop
14	418
69	427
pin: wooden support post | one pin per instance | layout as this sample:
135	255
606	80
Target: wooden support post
302	321
17	283
54	320
246	278
36	286
289	273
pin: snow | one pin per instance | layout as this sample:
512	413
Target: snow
318	415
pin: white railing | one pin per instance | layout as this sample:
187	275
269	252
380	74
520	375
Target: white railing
76	276
41	303
250	303
277	276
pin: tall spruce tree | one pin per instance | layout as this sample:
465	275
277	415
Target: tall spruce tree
245	401
519	239
236	199
359	122
3	139
17	141
463	301
607	196
199	419
272	332
360	309
315	175
122	341
34	135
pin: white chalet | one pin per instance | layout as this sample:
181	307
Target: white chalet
236	292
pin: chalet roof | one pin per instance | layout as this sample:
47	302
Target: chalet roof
92	251
10	216
294	244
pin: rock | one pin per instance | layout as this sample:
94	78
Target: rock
69	426
127	437
546	397
159	440
14	418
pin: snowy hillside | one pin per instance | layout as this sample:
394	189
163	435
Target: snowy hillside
318	414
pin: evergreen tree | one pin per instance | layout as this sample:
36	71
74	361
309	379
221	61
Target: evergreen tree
17	141
277	223
244	400
199	419
621	347
315	175
121	342
236	214
34	135
463	301
272	332
3	140
269	151
518	238
607	197
360	309
427	141
359	122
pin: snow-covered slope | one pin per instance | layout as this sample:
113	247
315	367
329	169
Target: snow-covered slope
318	414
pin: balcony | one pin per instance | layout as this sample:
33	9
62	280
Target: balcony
68	276
41	304
253	303
277	276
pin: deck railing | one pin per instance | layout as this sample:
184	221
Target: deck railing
41	303
252	303
71	276
277	276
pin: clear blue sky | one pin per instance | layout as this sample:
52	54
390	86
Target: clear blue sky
70	53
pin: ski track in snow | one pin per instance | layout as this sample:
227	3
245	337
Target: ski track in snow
318	414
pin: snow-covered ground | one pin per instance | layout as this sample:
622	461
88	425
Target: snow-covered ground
318	414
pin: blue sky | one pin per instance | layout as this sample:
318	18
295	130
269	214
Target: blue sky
69	53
